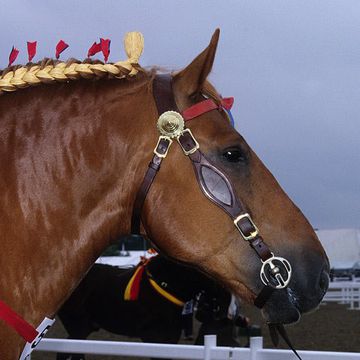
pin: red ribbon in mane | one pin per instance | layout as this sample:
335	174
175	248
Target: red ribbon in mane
105	48
13	55
31	48
94	49
60	47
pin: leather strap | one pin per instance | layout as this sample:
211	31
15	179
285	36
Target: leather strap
206	106
149	177
233	209
163	103
163	93
263	296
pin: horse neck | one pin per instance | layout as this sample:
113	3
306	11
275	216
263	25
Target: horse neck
76	152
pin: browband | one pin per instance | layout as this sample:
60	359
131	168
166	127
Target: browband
205	106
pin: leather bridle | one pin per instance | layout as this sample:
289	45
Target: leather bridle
275	271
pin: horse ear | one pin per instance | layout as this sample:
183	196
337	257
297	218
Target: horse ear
191	80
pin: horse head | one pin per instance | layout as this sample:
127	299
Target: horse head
204	235
73	157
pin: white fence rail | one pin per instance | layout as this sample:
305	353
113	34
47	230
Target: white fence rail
194	352
344	292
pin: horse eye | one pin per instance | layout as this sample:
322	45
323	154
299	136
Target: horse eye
234	155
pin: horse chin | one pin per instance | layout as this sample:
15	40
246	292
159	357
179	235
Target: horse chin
281	308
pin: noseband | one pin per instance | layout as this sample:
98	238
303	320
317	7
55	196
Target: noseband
275	271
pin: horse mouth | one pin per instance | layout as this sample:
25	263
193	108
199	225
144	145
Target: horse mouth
282	308
290	316
287	306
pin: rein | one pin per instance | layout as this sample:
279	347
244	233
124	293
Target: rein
275	271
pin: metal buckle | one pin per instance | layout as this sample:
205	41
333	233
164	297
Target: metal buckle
156	152
195	148
271	269
253	234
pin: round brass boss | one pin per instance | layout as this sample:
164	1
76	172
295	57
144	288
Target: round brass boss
171	124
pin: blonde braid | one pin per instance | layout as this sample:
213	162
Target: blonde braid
49	72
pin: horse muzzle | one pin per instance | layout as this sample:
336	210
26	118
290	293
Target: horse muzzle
307	287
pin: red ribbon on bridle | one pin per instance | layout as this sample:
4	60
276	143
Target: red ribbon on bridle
206	106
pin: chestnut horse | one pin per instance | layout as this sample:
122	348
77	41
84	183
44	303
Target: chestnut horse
73	156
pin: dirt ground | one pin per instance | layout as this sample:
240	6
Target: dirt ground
331	328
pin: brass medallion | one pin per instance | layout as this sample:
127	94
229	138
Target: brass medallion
171	124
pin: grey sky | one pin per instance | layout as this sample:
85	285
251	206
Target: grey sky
293	67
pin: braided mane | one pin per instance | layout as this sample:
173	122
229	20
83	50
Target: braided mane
50	71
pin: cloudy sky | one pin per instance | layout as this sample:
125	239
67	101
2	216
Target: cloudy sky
292	66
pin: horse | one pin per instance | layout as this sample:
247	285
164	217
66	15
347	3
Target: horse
159	289
73	157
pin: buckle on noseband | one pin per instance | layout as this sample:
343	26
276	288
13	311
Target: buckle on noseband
247	234
276	272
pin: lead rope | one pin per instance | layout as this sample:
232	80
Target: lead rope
275	330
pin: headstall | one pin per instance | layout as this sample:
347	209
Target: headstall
275	271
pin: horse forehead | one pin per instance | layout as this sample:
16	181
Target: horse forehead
214	130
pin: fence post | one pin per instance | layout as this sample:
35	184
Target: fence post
209	342
256	343
351	290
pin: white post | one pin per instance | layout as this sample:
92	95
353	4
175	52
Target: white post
351	291
209	342
256	343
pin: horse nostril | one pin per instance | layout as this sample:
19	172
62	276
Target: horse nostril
324	281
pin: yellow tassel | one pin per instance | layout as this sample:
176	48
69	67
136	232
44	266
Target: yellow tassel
134	45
